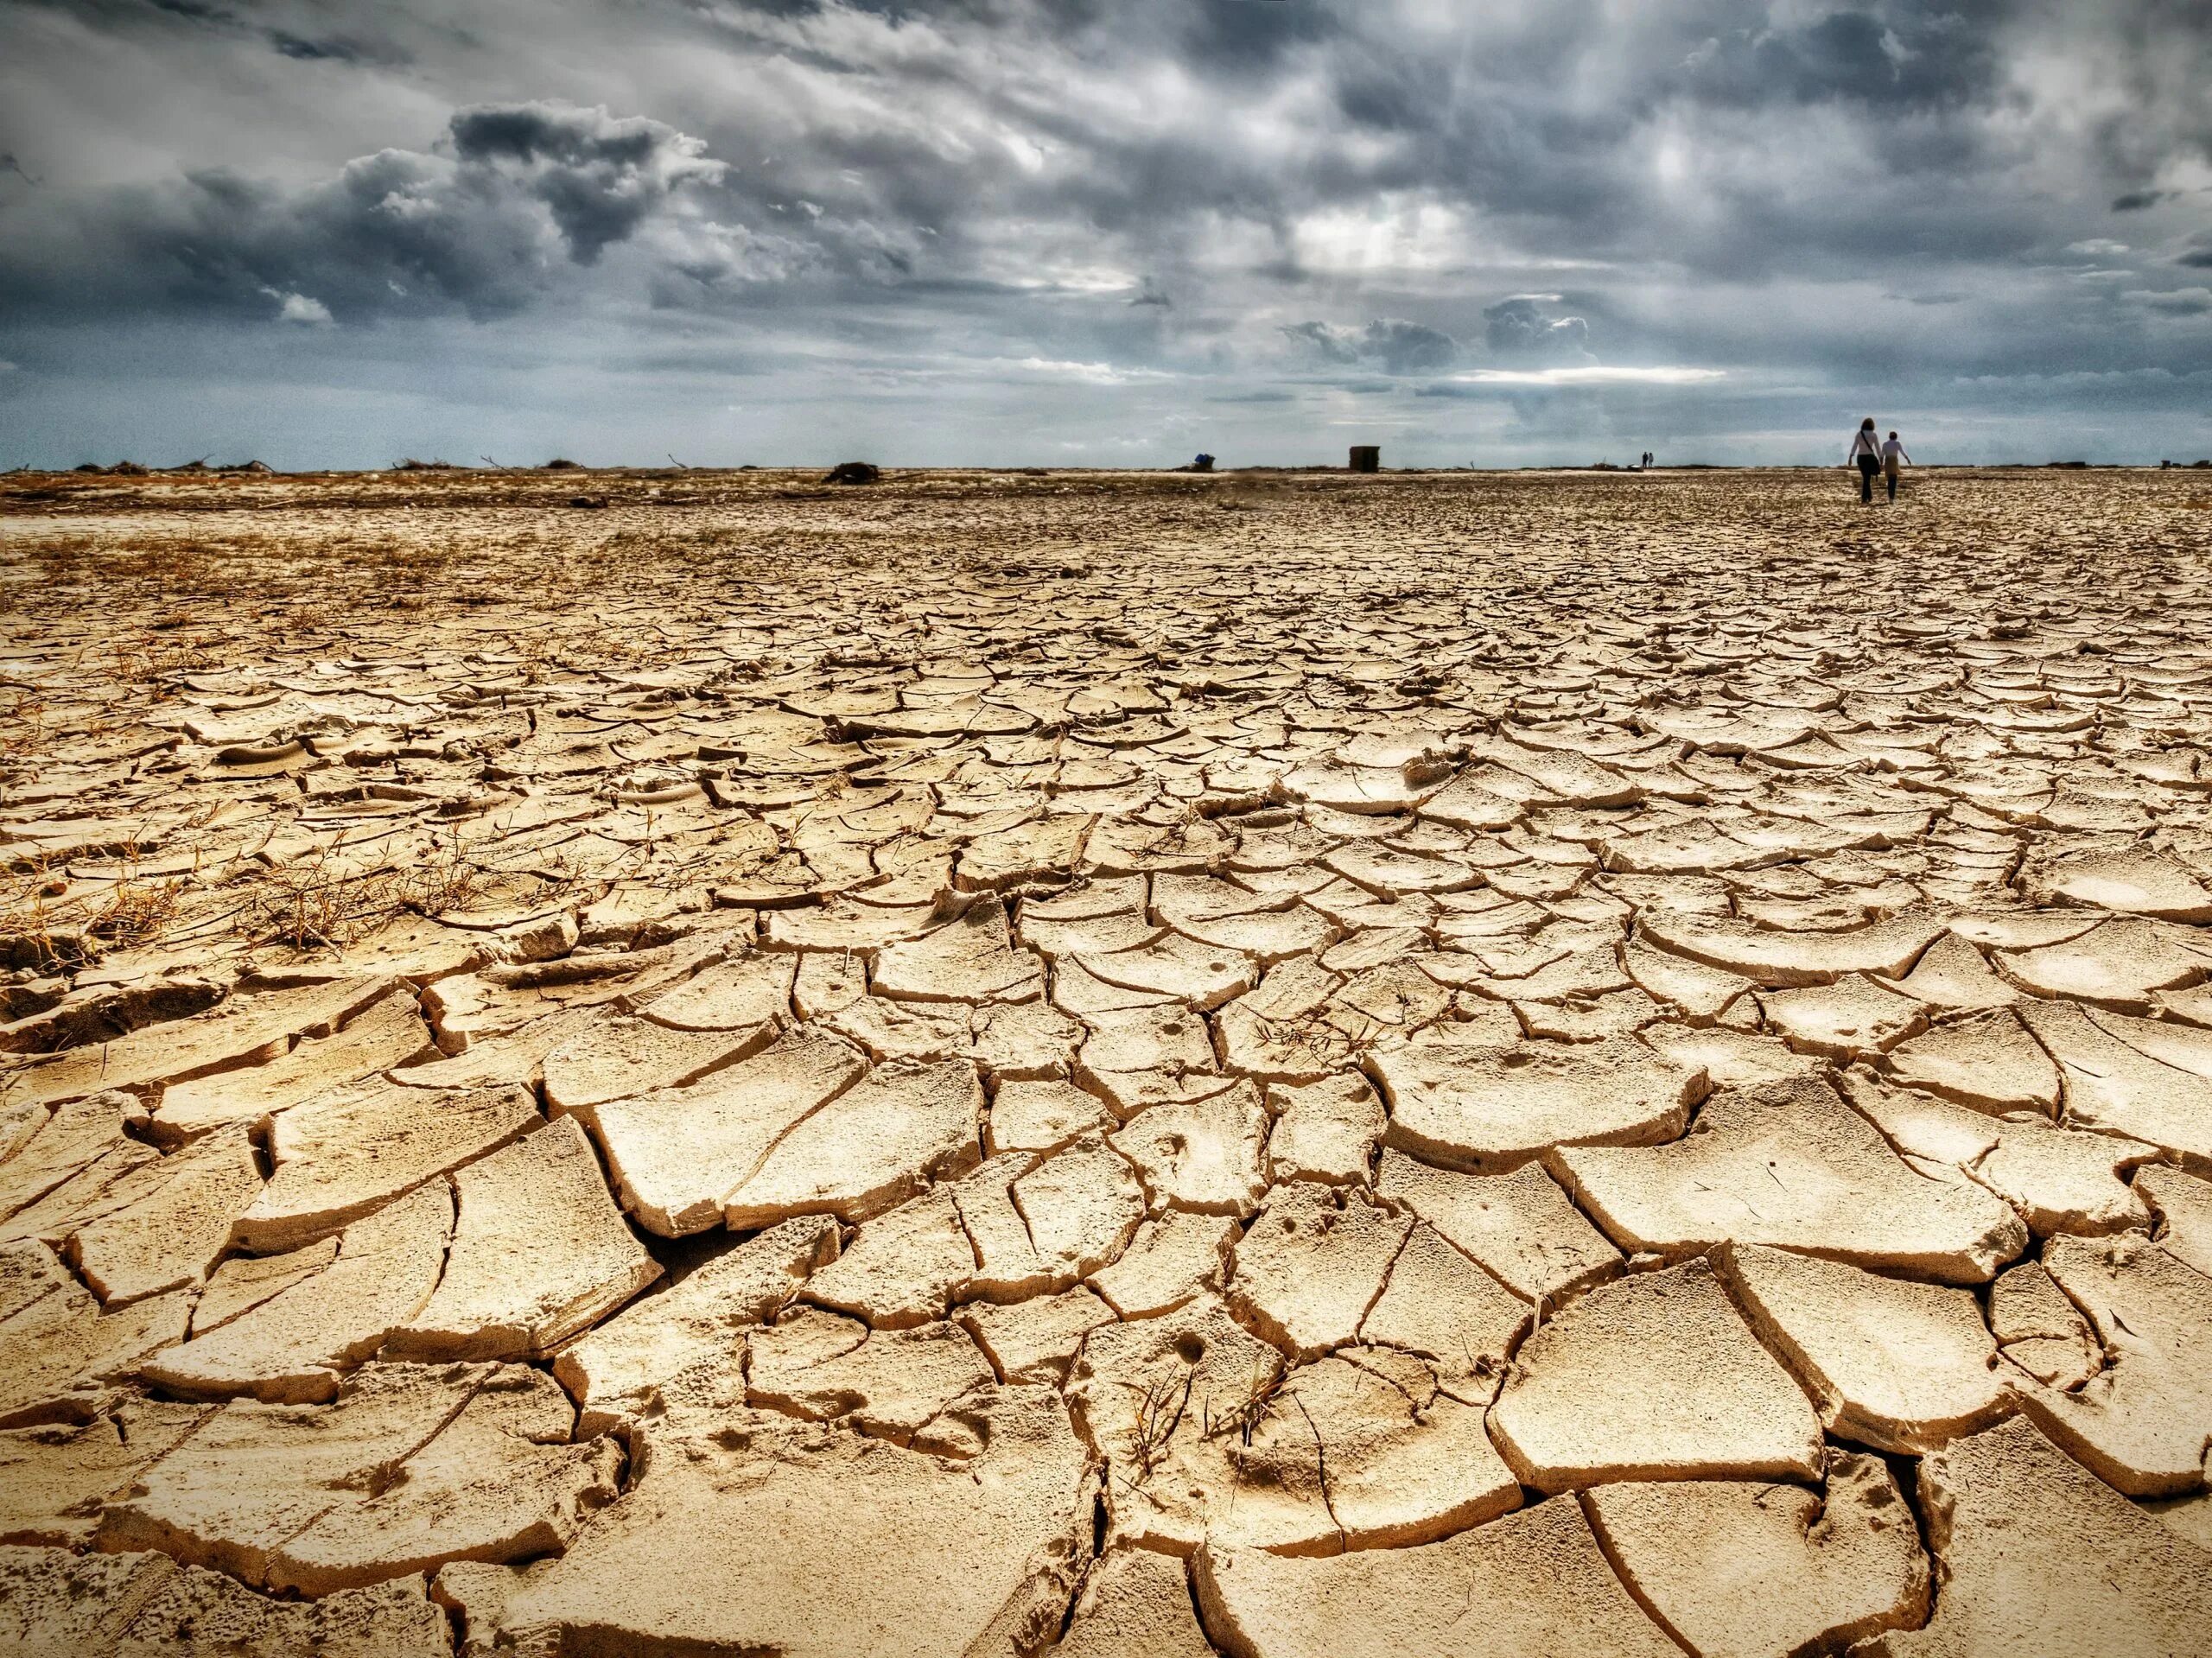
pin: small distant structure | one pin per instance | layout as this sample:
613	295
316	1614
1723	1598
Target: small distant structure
853	471
1367	457
1201	463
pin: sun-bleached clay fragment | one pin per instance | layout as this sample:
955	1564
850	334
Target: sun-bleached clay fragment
1519	1227
243	1282
2117	965
2039	1330
2058	1179
342	1155
1699	994
239	1032
677	1154
1016	1041
971	959
2135	883
2142	1422
868	1149
1791	1165
389	1033
1042	1116
1899	1366
616	1058
516	1057
1440	1306
1730	1057
2183	1205
501	1481
539	1252
821	1366
1955	975
1652	1376
168	1221
901	1269
1851	1018
60	1355
253	1477
73	1138
1170	1262
1136	1603
1779	959
144	1605
1325	1131
1198	976
2112	1087
1473	1108
1533	1584
1081	1207
294	1346
1168	1037
1008	1266
1394	1460
740	994
1736	1570
1311	1263
2037	1555
54	1479
1205	1156
1035	1340
979	1556
617	1369
1990	1063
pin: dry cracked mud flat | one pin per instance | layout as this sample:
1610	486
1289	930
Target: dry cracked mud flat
1293	1066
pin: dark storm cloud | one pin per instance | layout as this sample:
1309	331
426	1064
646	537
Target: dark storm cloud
1165	202
483	223
1399	346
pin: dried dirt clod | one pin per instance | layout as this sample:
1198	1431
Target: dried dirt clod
1652	1376
1529	1585
1205	1155
675	1155
1035	1341
1854	1018
2035	1554
1311	1264
1899	1366
889	1383
1441	1306
1325	1131
868	1149
902	1269
745	991
1473	1108
1791	1165
1170	1262
54	1479
1989	1062
166	1223
972	958
613	1058
2183	1204
389	1033
1518	1227
1043	1116
539	1252
294	1345
618	1368
145	1605
2115	1087
2142	1422
980	1556
342	1155
1136	1603
1737	1570
501	1481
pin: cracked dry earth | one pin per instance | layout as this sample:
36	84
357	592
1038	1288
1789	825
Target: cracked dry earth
1303	1068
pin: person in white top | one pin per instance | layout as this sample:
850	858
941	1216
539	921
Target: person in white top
1893	455
1866	455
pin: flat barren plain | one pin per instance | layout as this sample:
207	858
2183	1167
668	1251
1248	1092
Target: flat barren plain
1303	1066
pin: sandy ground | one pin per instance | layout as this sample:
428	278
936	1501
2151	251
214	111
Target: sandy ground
1276	1062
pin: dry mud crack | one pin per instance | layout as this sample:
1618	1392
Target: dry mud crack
1109	1063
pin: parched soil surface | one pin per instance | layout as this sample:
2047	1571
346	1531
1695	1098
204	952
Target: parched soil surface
1274	1064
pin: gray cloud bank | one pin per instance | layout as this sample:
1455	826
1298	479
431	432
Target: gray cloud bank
1062	230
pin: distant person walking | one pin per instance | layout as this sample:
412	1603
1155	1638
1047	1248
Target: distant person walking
1893	456
1866	451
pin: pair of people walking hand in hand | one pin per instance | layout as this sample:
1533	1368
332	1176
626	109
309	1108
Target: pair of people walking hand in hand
1871	455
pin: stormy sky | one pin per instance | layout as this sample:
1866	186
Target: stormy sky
1103	232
